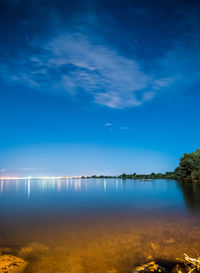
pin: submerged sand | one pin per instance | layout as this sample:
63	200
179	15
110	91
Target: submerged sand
103	244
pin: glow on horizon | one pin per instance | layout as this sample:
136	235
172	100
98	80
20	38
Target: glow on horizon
31	187
37	177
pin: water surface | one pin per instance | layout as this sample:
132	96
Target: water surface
98	225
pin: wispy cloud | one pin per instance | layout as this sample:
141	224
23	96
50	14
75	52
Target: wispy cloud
108	124
112	128
70	62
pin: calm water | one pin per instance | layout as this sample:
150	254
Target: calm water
102	225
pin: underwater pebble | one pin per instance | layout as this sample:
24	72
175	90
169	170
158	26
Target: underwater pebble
151	267
12	264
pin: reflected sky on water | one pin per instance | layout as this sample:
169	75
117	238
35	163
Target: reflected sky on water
99	224
79	194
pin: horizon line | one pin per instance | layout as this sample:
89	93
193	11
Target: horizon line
36	177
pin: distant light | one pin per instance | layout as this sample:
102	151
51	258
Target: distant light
37	177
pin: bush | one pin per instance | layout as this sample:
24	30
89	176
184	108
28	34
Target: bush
189	167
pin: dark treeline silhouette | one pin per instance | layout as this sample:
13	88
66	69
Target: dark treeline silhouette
188	170
167	175
189	167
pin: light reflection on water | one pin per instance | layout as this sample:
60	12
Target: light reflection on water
64	185
29	186
154	194
95	225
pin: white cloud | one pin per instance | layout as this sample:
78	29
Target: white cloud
148	95
72	63
111	79
64	61
108	124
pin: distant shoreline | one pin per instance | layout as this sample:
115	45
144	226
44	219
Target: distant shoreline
168	175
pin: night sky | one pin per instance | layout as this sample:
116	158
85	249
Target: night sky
98	86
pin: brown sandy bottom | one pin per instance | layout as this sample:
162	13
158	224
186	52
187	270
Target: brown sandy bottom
103	245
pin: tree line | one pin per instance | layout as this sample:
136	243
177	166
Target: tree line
188	170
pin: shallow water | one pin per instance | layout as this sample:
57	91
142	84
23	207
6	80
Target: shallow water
98	225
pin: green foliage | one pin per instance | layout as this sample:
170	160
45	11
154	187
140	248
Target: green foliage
189	167
167	175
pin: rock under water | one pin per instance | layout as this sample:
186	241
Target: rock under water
12	264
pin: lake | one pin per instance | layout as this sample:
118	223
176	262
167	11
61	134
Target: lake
98	225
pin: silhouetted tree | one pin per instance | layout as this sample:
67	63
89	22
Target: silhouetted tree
189	167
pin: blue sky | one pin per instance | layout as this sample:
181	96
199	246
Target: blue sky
91	87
